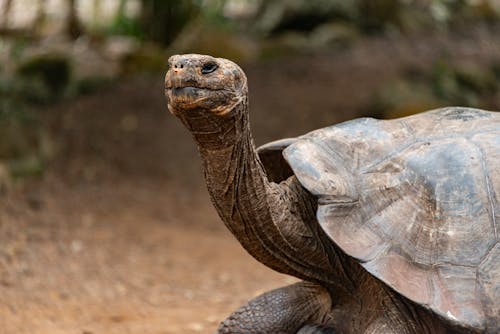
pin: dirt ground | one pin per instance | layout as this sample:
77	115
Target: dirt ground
120	237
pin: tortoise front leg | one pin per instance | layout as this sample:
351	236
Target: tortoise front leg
286	310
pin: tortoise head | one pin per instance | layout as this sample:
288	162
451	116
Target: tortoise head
204	83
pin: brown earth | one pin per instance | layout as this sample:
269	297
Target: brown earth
120	237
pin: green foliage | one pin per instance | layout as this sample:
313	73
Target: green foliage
53	71
444	84
124	25
216	40
463	85
403	97
463	11
162	20
127	26
17	94
377	15
276	16
495	69
19	135
27	166
147	59
89	85
18	48
23	141
211	13
23	144
372	16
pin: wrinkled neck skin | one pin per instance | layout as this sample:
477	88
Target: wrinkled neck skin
274	223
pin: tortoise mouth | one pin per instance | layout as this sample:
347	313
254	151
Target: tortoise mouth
185	92
189	91
190	97
184	97
190	94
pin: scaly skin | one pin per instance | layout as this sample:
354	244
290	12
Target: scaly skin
276	223
283	310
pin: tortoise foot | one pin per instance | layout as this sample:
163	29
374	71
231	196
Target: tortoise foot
282	311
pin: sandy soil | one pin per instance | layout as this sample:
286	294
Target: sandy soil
104	259
120	237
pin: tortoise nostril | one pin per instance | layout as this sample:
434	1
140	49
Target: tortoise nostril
178	65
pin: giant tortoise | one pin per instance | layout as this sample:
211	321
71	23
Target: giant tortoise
393	226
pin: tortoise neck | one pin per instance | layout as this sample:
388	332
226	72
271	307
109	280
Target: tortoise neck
265	217
214	133
236	180
245	199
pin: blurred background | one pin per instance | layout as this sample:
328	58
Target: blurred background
105	223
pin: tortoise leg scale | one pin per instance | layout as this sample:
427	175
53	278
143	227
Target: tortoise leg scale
287	310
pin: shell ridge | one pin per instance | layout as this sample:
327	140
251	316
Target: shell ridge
489	190
487	254
398	150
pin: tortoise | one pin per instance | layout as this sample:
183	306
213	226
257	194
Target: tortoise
392	226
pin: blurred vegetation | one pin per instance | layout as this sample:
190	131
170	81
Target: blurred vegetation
444	84
25	146
52	72
162	20
52	59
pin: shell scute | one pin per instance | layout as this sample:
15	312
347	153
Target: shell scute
423	213
455	295
403	275
489	145
489	288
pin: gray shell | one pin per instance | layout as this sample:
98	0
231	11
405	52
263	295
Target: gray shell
417	201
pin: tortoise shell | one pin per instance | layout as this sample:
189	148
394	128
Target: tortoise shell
416	201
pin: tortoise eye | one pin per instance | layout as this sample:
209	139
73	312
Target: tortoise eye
208	68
